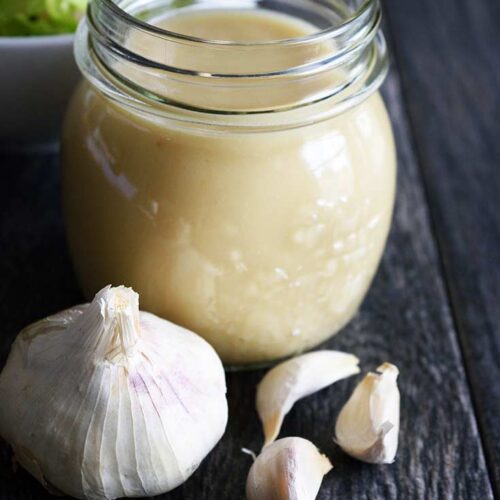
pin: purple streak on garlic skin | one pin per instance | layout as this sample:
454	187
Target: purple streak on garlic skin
137	382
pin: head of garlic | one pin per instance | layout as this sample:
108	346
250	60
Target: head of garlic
288	469
103	401
367	427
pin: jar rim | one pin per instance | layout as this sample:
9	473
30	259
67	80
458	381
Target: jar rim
330	32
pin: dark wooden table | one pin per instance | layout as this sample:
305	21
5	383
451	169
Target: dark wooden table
434	308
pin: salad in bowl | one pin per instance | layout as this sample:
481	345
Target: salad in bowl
36	45
40	17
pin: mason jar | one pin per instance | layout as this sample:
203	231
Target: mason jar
234	163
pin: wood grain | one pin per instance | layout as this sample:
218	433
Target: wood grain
405	319
448	54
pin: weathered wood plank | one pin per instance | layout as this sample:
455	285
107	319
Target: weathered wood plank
405	319
449	57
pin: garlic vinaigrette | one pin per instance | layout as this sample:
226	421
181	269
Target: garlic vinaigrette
237	168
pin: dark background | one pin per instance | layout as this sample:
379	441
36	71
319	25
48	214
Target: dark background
434	308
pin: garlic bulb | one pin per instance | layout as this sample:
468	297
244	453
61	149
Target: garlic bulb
289	469
296	378
368	425
103	401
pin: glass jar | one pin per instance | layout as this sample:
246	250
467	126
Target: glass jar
243	186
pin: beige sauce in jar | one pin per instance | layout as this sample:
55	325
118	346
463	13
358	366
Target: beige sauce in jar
264	243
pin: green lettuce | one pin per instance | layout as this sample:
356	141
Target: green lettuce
39	17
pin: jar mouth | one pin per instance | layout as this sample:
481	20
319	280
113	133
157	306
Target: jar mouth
338	64
331	32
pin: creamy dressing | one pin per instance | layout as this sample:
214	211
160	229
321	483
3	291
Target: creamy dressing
263	243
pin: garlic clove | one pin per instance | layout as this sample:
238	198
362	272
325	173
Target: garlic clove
367	427
289	469
296	378
104	401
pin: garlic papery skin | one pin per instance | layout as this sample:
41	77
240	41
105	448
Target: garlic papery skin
367	427
102	401
296	378
291	468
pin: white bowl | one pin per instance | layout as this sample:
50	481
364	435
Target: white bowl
38	77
